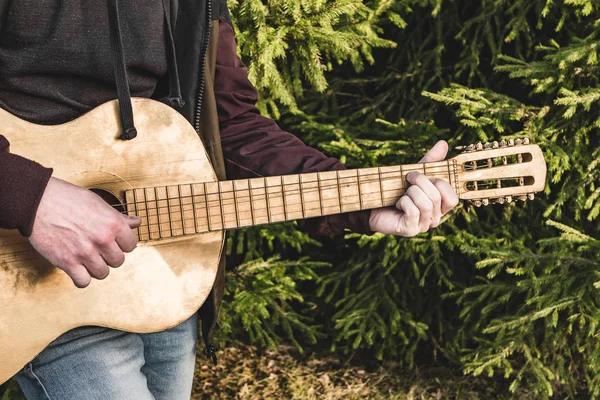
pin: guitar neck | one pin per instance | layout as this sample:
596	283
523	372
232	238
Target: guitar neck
177	210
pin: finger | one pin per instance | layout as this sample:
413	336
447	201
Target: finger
449	196
408	224
425	184
132	220
113	255
79	274
96	267
126	239
436	153
385	220
424	204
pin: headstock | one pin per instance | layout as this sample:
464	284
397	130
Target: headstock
500	172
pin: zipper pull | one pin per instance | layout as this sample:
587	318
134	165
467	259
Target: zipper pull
209	352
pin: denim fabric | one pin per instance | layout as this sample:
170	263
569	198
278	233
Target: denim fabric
91	363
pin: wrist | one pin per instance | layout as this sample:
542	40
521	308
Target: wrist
22	184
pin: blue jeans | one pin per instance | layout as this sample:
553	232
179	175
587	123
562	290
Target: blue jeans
91	363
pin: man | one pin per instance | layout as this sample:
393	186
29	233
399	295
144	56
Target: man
56	63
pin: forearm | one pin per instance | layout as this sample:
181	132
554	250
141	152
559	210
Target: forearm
22	184
256	146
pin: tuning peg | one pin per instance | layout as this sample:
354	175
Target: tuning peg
503	143
530	196
521	198
485	202
476	203
471	147
511	143
487	146
495	145
526	141
509	199
499	200
518	142
478	146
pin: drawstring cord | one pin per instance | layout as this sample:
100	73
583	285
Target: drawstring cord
118	55
116	44
175	98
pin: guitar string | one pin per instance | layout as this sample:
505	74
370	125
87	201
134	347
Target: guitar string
177	210
219	184
151	235
356	180
254	197
206	204
399	176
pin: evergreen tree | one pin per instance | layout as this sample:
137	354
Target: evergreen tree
505	290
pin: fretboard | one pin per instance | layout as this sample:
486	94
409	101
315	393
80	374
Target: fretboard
170	211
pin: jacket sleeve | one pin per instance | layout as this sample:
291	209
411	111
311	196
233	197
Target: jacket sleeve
22	184
255	146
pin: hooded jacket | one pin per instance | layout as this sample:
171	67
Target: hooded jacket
219	101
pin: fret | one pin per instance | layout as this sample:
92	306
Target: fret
285	214
243	202
275	198
193	198
144	193
169	216
139	211
339	186
293	200
221	205
181	209
235	205
449	173
135	210
187	209
380	186
207	208
320	195
158	213
391	184
403	181
310	195
199	201
302	197
215	206
350	191
360	199
370	187
175	212
251	203
258	190
148	213
267	200
330	198
227	202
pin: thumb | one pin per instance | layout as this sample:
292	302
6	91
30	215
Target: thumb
436	153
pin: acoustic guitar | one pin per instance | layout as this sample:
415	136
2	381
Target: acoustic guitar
164	177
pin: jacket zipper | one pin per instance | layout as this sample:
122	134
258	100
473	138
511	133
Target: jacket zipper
210	349
203	67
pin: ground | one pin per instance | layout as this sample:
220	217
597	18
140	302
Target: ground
244	372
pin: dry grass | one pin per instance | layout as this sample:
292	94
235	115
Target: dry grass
245	373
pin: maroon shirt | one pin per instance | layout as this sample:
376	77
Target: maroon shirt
253	146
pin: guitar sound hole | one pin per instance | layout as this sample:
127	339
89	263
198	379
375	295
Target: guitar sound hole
110	198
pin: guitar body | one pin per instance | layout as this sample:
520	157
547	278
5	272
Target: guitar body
161	284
